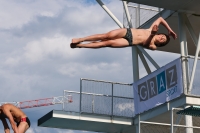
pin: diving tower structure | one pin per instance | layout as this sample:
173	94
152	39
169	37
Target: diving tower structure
96	106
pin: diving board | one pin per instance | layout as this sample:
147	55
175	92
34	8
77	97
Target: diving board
85	122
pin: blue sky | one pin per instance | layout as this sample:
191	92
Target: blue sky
37	62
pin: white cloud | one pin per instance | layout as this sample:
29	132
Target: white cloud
68	70
47	14
39	50
16	14
11	61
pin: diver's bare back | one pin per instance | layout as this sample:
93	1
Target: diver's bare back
16	113
140	36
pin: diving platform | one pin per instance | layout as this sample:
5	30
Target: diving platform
86	122
192	110
162	114
114	113
111	111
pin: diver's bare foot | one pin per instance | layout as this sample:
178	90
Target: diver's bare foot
76	40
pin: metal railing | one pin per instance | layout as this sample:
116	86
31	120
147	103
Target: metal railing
102	98
177	124
140	14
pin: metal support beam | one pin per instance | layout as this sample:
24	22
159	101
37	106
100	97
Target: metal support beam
184	52
190	29
194	65
127	14
144	62
63	104
138	126
134	49
110	13
135	64
172	121
188	122
196	42
137	16
80	105
149	57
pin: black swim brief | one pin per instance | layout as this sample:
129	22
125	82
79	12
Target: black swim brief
26	119
129	36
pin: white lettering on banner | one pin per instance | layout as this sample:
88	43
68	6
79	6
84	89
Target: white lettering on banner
172	74
171	91
161	84
144	92
152	87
